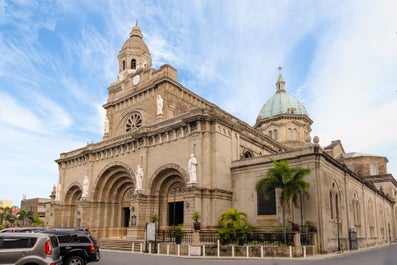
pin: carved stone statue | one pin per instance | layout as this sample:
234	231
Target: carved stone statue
192	167
106	125
139	178
85	188
159	105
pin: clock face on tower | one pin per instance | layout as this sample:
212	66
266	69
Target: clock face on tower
135	80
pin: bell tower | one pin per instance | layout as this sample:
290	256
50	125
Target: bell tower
134	55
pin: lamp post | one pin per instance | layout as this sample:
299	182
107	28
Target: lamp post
337	229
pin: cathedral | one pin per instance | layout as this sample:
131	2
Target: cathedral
167	153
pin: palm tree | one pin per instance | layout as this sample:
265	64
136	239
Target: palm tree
22	216
288	180
30	216
235	225
7	214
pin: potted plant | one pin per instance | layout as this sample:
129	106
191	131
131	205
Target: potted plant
154	217
196	223
178	233
312	228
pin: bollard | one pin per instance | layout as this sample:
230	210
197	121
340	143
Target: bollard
290	252
304	251
217	242
232	251
158	248
168	249
248	251
179	250
203	250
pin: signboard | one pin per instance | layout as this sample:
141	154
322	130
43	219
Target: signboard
151	232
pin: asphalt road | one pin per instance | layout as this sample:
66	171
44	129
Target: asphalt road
376	256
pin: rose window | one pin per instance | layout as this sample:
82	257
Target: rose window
133	122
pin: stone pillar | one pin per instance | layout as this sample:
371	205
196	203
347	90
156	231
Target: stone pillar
314	243
297	244
196	238
195	250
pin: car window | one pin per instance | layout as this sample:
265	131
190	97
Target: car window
68	238
54	241
84	239
18	242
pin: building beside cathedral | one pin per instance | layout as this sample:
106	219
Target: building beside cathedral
170	152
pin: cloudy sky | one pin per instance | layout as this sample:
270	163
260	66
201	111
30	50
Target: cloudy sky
57	59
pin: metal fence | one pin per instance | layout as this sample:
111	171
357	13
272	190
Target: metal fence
251	238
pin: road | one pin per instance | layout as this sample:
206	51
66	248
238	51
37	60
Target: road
376	256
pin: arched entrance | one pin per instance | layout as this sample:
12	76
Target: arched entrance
175	203
113	192
169	188
71	215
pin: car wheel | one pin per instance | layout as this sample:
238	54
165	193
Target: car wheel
75	260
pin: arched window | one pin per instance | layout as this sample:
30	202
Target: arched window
266	205
270	134
133	122
123	65
275	132
356	211
133	64
289	134
295	134
331	204
373	169
371	219
247	154
334	202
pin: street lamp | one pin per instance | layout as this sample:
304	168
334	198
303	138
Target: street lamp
337	229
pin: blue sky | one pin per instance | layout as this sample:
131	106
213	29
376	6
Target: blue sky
58	58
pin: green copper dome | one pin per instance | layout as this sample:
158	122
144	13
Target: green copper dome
281	103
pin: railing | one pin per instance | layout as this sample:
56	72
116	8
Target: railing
252	238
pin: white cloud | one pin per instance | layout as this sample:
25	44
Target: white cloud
16	115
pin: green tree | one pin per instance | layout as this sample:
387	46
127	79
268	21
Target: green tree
22	216
36	221
288	180
30	216
234	226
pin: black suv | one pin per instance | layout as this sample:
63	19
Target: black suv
77	246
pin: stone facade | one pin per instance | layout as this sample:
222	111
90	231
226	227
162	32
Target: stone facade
153	127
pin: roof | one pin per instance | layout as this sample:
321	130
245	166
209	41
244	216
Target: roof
135	41
282	102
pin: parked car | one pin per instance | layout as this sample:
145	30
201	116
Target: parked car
77	246
22	230
29	248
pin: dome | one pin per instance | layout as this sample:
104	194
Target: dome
281	103
135	41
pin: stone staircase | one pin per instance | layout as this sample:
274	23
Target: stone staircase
121	245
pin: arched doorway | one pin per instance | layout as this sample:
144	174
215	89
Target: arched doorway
168	189
113	192
71	215
175	203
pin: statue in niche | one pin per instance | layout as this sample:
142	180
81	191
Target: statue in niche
159	105
139	178
106	125
192	167
85	188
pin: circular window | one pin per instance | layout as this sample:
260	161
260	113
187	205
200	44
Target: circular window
133	122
